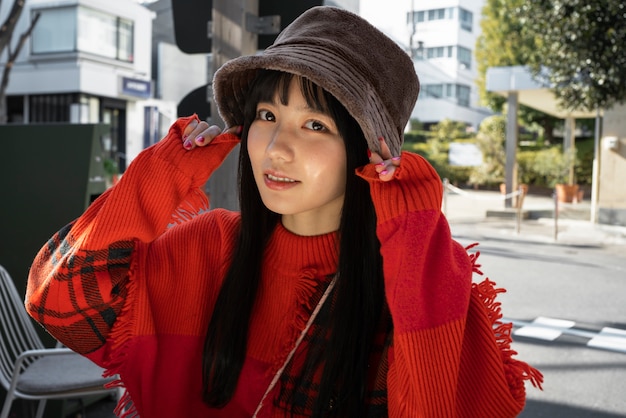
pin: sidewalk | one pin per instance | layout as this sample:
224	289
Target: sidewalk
483	214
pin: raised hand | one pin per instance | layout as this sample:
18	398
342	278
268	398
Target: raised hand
385	163
200	134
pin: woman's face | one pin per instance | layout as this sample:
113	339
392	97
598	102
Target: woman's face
299	163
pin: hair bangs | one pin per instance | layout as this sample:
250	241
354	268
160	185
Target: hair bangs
272	85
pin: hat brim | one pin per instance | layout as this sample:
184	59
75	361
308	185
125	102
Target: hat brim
232	83
366	71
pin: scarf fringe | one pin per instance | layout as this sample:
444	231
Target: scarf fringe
516	371
306	287
125	407
194	204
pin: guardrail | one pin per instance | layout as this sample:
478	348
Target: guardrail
502	197
557	210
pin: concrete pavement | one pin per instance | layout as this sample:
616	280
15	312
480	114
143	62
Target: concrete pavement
483	214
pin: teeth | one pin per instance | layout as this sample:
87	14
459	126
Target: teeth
283	179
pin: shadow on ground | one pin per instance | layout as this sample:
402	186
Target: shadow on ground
542	409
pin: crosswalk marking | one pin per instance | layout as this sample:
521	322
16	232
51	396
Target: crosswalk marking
610	338
551	329
543	328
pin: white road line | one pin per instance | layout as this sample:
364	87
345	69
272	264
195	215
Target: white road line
549	329
543	328
610	339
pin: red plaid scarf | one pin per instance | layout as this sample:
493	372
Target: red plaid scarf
299	388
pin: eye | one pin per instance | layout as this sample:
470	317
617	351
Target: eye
266	115
315	125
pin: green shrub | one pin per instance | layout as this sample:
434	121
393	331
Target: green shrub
552	165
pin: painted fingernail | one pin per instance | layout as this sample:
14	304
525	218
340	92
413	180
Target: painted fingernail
187	144
382	173
369	153
200	140
239	130
380	138
382	164
395	158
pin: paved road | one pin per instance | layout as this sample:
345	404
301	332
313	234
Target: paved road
566	298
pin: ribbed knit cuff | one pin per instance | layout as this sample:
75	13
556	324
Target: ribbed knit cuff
198	163
415	186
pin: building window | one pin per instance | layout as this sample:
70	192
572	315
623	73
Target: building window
463	95
433	90
125	40
449	13
436	14
436	52
464	56
50	107
457	93
55	31
466	19
81	29
97	33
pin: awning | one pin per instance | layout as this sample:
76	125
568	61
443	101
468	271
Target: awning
505	80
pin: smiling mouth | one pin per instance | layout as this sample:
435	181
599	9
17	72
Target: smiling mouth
280	179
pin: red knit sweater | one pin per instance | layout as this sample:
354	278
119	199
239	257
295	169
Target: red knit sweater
134	294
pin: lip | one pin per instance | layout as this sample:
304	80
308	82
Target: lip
278	181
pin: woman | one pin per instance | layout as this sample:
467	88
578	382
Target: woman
336	291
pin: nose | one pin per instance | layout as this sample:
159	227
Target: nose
280	143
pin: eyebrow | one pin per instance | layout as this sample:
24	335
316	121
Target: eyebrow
305	108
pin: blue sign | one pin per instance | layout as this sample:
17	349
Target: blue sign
136	88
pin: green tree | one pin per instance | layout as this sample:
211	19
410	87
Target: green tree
503	42
579	49
500	44
490	140
438	145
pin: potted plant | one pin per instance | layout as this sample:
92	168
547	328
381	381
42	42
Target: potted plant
111	170
555	166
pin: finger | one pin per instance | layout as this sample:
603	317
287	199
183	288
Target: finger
189	128
382	166
206	136
375	157
387	174
191	132
385	153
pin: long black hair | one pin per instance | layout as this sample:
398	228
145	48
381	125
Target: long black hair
359	292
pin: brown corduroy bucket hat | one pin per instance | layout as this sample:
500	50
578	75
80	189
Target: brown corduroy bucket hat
368	73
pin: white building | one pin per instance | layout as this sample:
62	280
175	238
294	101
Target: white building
442	37
87	61
113	62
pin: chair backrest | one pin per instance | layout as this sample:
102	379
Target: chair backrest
17	331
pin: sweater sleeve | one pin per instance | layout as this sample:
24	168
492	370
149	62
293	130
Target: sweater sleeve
440	366
78	281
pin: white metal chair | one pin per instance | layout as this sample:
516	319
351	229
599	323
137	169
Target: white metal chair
28	370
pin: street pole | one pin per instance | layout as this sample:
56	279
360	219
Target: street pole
230	39
510	175
595	171
569	143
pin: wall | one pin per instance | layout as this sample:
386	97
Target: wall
612	192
